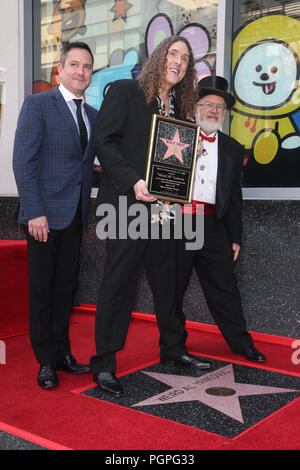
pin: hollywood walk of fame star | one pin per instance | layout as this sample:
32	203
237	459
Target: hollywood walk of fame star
217	389
120	9
175	147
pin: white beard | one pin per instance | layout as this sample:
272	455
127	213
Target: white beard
207	126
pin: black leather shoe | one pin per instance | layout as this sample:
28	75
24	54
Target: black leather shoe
252	354
47	377
186	360
70	365
107	382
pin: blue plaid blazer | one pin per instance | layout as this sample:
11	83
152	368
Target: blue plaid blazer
49	167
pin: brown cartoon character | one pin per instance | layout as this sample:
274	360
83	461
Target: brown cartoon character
68	19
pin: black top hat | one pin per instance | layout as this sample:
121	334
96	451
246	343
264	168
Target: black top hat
215	85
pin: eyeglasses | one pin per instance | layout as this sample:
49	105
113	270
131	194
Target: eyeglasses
210	106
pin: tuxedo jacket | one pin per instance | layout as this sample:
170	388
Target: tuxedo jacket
228	192
121	140
50	171
121	137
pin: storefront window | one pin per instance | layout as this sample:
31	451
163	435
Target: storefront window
265	81
121	35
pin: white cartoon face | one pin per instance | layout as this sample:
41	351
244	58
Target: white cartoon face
266	75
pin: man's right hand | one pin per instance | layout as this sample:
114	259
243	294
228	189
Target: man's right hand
38	228
142	193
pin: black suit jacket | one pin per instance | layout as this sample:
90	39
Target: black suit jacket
121	139
229	194
49	167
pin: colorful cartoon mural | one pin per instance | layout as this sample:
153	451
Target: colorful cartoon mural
159	28
67	20
103	78
266	117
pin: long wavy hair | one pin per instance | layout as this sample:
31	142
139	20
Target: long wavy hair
154	71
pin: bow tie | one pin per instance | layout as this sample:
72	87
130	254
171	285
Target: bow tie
209	139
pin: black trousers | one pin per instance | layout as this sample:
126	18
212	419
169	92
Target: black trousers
117	295
214	266
52	269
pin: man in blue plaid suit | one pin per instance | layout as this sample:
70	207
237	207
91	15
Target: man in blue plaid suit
53	161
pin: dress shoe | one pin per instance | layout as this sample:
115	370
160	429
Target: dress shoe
108	382
47	377
70	365
186	360
252	354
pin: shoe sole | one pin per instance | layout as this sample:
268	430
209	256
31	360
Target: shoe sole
248	358
185	366
109	392
47	387
255	360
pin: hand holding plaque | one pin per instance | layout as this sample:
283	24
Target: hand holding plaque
172	155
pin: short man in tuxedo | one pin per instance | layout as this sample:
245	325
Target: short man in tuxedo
52	161
217	194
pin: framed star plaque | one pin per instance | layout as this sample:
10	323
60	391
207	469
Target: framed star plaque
171	160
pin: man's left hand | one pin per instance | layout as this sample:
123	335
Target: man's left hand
236	251
199	147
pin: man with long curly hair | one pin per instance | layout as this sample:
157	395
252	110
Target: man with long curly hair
165	86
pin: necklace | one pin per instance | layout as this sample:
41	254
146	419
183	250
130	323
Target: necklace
162	107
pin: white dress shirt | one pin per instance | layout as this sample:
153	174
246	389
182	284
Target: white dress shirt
69	97
205	181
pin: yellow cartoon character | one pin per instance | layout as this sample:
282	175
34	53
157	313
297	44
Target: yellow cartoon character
266	116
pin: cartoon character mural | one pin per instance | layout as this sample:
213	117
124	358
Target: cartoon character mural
266	116
67	20
101	79
159	28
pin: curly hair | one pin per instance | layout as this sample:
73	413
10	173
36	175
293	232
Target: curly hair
153	74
